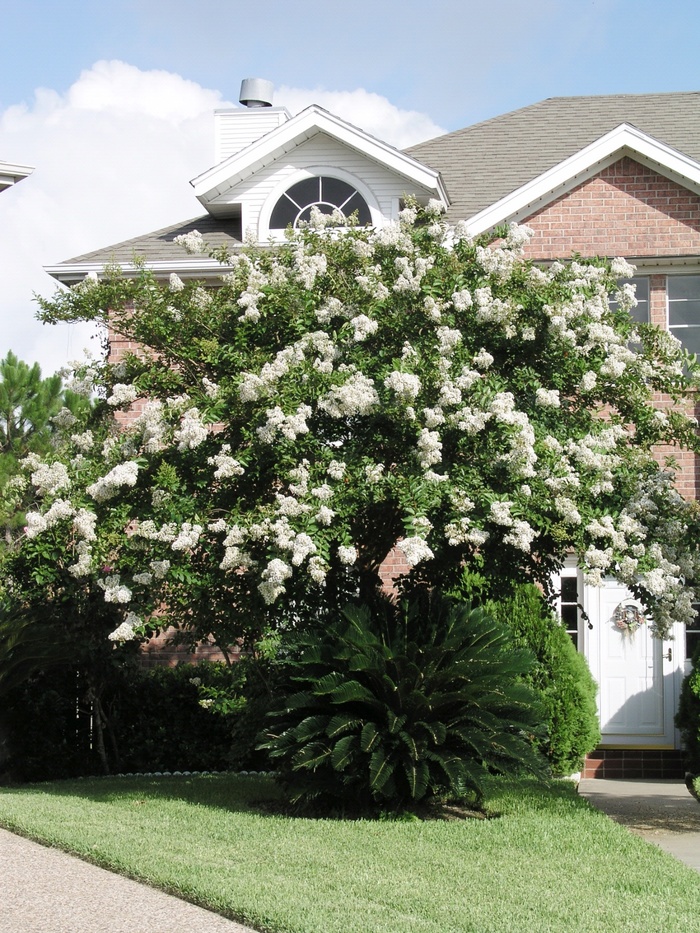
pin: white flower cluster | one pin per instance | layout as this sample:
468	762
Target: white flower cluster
123	474
37	523
83	565
65	419
151	532
187	537
115	591
125	631
347	554
356	396
521	536
226	465
192	242
363	327
151	427
49	478
84	441
415	550
122	394
406	386
192	432
336	469
289	426
429	448
547	398
273	580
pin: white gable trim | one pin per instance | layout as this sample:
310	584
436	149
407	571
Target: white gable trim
624	140
221	178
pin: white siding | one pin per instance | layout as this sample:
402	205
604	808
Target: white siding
236	129
320	154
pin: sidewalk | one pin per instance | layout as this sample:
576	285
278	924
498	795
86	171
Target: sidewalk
44	890
663	812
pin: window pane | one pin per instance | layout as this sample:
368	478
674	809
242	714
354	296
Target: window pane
683	286
692	643
640	313
358	203
684	312
336	191
306	192
569	617
689	337
284	214
569	590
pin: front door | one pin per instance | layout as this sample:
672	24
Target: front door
636	672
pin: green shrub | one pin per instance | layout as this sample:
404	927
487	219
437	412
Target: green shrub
688	716
397	706
560	676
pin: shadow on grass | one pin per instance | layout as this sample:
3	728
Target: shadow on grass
234	793
260	794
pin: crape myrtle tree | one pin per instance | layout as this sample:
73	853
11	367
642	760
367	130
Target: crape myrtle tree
345	391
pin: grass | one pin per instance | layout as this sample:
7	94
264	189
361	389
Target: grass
548	862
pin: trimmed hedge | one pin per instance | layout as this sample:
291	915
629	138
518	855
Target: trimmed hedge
155	722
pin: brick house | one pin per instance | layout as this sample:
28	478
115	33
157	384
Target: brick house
611	176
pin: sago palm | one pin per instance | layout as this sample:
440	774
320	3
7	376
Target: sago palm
400	705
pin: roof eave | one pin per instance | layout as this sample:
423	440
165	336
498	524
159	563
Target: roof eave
188	268
11	173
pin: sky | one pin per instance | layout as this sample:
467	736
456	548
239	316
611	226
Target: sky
112	103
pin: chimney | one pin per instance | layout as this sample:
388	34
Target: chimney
256	92
236	128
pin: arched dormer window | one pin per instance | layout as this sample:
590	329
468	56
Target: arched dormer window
323	192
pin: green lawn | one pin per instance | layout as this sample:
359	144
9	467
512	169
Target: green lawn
548	862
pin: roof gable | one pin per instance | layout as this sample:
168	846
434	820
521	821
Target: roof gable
314	120
483	163
624	140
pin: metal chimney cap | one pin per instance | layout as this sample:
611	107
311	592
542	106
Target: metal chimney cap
256	92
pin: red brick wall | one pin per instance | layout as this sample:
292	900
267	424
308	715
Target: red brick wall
627	210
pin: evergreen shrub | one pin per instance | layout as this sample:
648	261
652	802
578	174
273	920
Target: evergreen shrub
560	677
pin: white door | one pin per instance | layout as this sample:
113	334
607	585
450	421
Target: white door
636	672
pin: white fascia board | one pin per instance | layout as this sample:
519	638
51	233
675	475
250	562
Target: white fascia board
304	126
623	140
11	173
205	268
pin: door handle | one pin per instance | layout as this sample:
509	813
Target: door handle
669	655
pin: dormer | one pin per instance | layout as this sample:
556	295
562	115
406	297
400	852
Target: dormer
272	168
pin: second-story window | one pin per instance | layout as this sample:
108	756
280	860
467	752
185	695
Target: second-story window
683	293
640	313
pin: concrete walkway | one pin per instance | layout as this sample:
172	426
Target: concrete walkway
43	890
662	811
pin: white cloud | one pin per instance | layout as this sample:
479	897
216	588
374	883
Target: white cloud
113	157
371	112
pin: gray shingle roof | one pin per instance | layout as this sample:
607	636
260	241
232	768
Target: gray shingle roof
158	246
483	163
